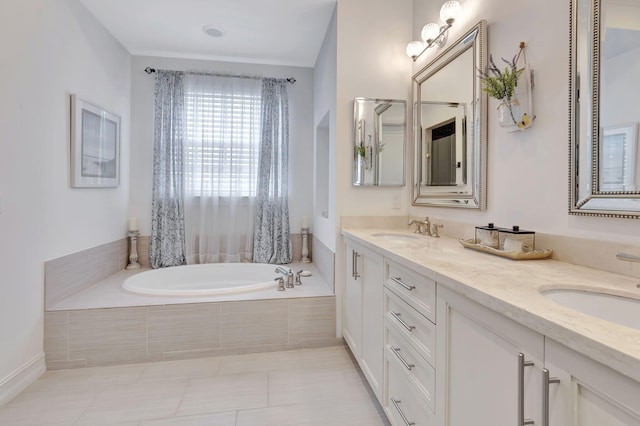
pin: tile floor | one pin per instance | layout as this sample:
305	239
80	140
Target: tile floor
320	387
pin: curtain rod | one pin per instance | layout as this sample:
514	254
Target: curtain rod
150	70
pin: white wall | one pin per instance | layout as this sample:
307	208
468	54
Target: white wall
324	114
300	130
528	171
371	62
362	56
51	48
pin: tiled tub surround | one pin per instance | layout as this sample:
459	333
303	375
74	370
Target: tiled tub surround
512	288
68	275
104	325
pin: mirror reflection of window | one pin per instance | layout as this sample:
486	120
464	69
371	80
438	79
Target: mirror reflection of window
618	159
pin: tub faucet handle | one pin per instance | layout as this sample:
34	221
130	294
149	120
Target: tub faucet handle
280	282
290	279
298	280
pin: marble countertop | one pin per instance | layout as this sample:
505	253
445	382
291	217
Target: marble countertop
513	288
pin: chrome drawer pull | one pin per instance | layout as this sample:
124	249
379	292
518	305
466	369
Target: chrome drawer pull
396	404
354	265
404	324
546	381
521	365
402	360
398	281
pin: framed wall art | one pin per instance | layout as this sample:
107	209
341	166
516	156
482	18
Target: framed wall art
95	146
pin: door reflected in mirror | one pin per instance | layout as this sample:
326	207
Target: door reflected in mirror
379	142
445	144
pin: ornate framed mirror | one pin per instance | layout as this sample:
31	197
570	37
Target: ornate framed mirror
450	126
604	160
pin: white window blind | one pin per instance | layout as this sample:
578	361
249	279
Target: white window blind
222	141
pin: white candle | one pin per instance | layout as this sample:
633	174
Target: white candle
305	222
133	224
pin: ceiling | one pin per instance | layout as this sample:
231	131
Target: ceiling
277	32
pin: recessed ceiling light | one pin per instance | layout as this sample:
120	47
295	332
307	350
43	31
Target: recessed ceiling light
213	31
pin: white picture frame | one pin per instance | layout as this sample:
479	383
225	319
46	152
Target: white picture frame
95	146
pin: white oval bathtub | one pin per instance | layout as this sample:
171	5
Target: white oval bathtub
203	280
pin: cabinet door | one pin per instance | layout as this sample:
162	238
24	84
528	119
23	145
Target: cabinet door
587	393
481	376
352	306
372	320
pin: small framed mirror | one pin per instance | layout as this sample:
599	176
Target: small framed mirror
379	142
450	131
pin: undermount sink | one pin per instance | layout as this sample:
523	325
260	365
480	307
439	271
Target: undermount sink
396	235
618	309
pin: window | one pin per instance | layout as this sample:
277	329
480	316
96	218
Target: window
222	139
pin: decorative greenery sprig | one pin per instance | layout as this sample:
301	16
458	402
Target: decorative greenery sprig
361	150
500	84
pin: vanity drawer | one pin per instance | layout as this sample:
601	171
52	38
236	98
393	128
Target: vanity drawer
417	290
415	328
399	353
403	404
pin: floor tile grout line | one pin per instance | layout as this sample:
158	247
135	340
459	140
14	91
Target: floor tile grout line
93	400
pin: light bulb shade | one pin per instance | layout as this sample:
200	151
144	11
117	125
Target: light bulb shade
430	32
449	11
414	48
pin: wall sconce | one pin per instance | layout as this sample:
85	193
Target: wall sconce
434	34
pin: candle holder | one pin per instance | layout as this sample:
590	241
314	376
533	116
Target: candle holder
133	252
305	245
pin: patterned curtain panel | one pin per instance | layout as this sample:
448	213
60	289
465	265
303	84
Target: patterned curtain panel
222	146
272	241
167	245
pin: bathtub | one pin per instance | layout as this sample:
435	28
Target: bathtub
203	280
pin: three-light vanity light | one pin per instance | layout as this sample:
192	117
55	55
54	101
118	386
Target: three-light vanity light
434	34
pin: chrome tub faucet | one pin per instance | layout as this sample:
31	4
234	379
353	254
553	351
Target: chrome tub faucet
286	273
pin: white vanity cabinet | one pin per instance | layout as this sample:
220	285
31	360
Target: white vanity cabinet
494	371
580	391
410	340
439	352
488	366
362	311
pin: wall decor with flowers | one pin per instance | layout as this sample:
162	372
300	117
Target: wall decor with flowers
512	86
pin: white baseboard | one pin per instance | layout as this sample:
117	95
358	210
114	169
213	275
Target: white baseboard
20	379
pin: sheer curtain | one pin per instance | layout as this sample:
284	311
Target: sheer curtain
166	247
272	242
221	156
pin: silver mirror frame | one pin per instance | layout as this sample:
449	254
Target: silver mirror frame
594	202
477	128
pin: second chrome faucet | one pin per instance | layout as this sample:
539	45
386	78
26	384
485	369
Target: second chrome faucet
424	227
288	274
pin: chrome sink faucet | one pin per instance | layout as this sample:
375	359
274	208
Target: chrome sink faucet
288	274
422	227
